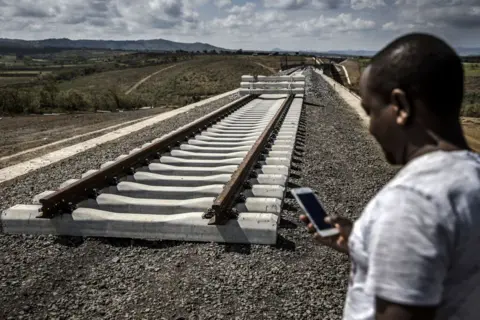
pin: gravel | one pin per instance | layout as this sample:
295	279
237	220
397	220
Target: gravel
59	278
22	189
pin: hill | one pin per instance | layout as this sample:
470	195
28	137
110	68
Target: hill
369	53
129	45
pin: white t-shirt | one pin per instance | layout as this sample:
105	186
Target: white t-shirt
418	241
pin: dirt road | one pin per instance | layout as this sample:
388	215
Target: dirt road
136	85
18	134
471	126
266	67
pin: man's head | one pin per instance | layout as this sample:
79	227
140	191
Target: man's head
415	82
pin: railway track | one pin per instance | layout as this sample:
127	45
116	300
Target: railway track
221	178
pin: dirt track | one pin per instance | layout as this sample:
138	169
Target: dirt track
471	126
26	132
136	85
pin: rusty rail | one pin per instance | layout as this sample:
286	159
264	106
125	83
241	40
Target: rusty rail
222	208
64	200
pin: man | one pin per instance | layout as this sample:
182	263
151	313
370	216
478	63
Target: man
415	250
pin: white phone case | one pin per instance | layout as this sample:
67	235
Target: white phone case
321	232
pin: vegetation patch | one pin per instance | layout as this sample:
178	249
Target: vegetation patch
102	86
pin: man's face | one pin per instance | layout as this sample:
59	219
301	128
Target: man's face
383	124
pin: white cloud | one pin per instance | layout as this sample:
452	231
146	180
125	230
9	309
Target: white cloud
392	26
248	7
463	14
344	22
245	22
222	3
286	4
298	24
366	4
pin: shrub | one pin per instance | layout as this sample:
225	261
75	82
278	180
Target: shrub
10	101
48	95
71	101
15	101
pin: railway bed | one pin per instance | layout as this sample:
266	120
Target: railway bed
48	277
221	178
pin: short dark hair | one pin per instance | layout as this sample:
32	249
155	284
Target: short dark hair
423	66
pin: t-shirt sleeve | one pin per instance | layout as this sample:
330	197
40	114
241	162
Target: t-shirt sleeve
408	249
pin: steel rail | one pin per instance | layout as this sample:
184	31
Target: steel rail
222	208
65	199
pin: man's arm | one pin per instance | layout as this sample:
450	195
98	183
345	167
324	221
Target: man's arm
386	310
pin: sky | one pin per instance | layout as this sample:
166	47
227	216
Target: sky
255	25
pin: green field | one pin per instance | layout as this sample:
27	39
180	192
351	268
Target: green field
118	79
198	79
471	69
189	78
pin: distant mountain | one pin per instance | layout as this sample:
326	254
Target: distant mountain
460	50
468	51
130	45
367	53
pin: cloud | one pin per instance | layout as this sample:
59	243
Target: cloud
461	17
248	7
286	4
344	22
31	9
245	23
274	23
392	26
158	14
222	3
106	19
462	14
299	24
366	4
305	4
329	4
33	12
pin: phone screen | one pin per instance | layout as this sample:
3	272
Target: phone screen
314	209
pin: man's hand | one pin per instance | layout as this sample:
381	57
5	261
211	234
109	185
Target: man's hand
338	242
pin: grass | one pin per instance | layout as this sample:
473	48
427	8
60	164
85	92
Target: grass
186	82
6	81
269	61
22	72
119	79
198	79
471	102
363	63
471	69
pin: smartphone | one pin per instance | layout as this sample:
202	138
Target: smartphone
312	207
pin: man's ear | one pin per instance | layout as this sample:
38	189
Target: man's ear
401	105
